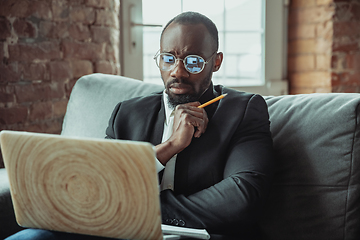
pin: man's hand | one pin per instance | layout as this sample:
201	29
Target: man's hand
189	121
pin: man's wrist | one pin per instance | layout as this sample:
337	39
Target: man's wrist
165	151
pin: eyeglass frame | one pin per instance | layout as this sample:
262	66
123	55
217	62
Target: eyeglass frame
158	53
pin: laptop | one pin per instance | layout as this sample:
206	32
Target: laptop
90	186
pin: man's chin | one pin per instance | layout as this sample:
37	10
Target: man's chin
176	99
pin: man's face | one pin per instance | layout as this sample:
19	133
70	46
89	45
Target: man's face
181	41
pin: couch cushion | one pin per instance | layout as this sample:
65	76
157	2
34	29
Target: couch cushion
93	99
316	186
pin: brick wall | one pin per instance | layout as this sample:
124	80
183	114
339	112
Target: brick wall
323	46
345	66
310	33
45	46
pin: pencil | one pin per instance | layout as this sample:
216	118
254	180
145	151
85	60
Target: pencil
212	101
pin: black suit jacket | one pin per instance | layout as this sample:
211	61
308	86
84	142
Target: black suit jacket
221	178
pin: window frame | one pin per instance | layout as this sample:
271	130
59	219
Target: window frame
275	33
275	61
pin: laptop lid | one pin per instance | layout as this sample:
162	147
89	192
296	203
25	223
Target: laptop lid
89	186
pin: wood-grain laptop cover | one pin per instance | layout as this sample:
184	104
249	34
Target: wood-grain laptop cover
90	186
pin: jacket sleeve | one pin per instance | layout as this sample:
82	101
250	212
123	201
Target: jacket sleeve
110	131
233	204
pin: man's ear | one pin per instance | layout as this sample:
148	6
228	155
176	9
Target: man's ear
218	60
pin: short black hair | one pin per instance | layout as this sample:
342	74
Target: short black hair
196	18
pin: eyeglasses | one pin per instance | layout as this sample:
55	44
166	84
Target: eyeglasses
193	63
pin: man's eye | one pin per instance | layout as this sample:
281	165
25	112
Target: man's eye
168	59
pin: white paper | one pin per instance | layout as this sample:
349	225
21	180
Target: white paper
185	232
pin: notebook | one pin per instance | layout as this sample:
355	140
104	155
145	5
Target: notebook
88	186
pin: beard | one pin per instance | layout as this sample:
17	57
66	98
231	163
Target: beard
176	99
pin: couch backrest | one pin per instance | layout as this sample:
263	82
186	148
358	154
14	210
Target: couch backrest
316	191
93	99
317	182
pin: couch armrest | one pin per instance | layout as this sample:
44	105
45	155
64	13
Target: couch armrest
8	224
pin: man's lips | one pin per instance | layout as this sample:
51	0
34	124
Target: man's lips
180	88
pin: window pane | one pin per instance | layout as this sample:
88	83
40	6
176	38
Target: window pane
213	9
241	36
160	11
243	15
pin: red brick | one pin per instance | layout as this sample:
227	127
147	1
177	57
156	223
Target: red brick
79	31
83	51
302	3
77	2
61	30
81	68
301	63
13	115
15	8
117	69
334	61
310	79
60	70
323	90
24	28
9	73
324	2
32	92
351	29
107	4
7	94
35	127
302	31
33	71
345	79
338	79
102	34
355	11
60	10
25	8
302	46
323	62
323	46
5	28
305	15
342	12
3	48
346	89
345	45
40	111
34	51
107	18
325	30
354	79
41	9
112	53
59	108
57	90
353	61
54	30
46	29
82	14
69	86
308	90
50	126
104	67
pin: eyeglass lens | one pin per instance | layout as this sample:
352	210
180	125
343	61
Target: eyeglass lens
193	63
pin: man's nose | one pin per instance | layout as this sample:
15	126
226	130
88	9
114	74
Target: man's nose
179	70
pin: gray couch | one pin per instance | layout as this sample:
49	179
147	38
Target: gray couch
316	190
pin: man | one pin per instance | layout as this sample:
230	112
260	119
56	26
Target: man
215	163
218	160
